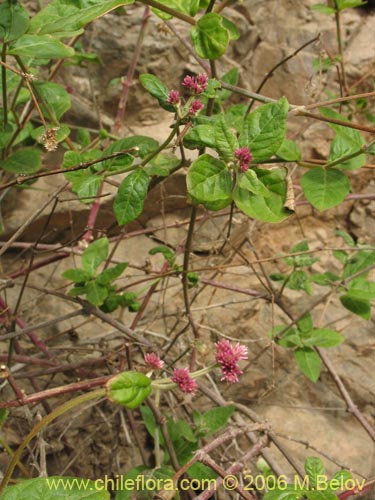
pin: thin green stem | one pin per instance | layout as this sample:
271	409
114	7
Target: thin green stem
57	412
161	147
4	84
172	12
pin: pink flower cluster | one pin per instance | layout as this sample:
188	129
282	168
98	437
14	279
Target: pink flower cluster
195	107
153	361
173	97
181	377
228	356
244	156
197	84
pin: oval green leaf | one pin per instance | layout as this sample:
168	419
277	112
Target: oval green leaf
40	46
128	389
209	180
14	20
308	362
225	141
264	129
24	161
157	89
210	37
128	204
94	255
200	136
56	488
325	188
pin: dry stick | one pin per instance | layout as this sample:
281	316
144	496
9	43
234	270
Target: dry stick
233	469
363	128
339	99
90	362
42	324
32	217
219	400
81	166
160	419
231	434
130	75
57	391
60	410
352	408
340	45
283	61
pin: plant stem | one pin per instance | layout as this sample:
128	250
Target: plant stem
340	45
172	12
57	412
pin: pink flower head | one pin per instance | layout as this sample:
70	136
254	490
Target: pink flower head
181	377
195	107
244	156
173	97
227	356
154	361
196	84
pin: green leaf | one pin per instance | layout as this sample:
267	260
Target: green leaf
308	362
346	237
132	474
214	419
56	488
267	209
249	181
150	422
322	494
128	204
96	293
210	37
94	255
201	472
55	96
231	77
85	184
24	161
65	18
3	416
324	9
164	250
305	324
162	165
40	46
362	289
225	141
323	337
128	389
358	262
209	180
301	260
77	275
199	137
14	21
325	188
314	467
142	142
299	280
340	147
108	275
264	129
339	478
324	279
361	307
234	32
289	151
157	89
289	493
348	4
83	137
